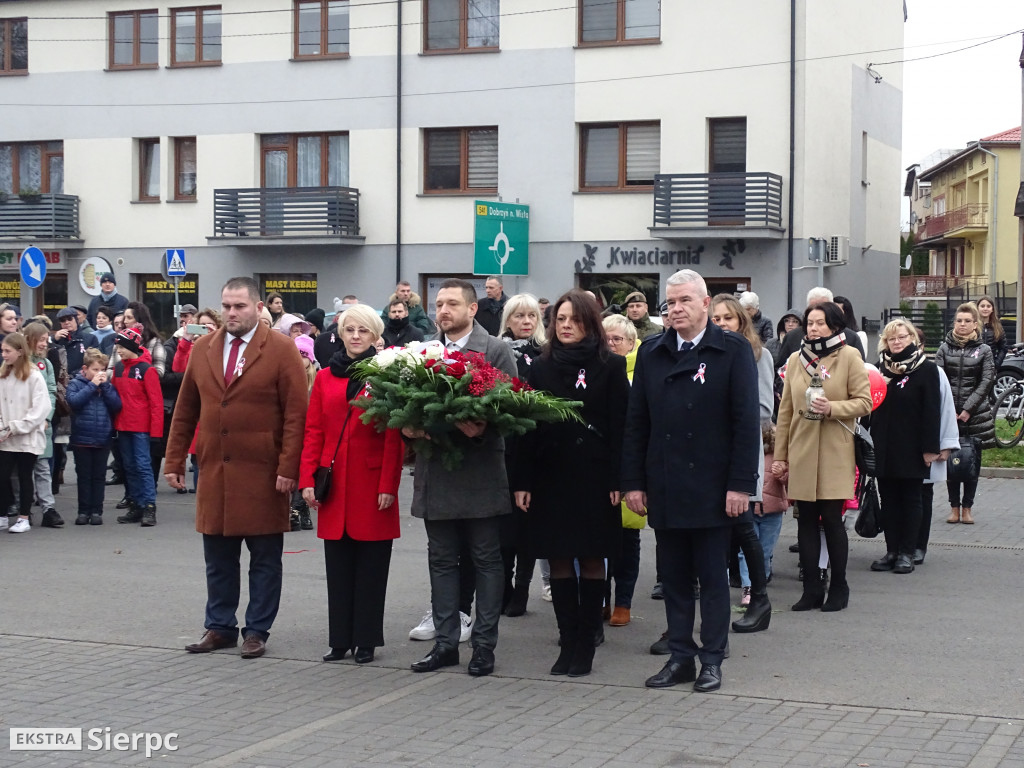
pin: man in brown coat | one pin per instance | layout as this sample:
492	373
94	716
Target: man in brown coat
246	388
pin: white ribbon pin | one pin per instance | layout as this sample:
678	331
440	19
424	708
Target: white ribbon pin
581	380
903	382
824	373
700	373
238	367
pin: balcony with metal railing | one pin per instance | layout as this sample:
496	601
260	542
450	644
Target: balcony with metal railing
959	222
939	285
296	215
699	205
43	220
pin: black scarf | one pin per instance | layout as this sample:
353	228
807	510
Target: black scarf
398	324
340	364
813	350
905	362
575	355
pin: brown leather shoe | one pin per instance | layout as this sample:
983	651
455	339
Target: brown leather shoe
212	641
954	515
620	617
965	516
253	647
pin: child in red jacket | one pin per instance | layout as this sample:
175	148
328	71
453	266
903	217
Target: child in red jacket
141	418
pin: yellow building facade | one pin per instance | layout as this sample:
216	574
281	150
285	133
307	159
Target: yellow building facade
970	229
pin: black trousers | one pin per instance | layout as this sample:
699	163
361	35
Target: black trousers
927	500
685	553
223	582
22	463
91	469
901	510
357	585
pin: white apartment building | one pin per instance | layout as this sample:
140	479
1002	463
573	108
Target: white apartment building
330	147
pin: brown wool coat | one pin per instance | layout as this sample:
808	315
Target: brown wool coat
249	433
820	453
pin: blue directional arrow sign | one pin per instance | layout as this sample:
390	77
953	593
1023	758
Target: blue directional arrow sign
176	262
33	267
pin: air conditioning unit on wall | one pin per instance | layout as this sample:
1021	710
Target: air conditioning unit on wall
837	250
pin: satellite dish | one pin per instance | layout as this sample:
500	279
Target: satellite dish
907	261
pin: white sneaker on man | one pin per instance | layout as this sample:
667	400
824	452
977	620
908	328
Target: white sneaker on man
425	629
22	526
467	627
545	592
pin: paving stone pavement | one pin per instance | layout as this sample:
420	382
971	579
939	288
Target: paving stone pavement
93	640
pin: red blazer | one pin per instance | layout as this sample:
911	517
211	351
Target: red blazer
369	462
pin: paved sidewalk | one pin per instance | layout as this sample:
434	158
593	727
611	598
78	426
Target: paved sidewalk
921	670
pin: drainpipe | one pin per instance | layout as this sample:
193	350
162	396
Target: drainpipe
995	209
398	147
792	149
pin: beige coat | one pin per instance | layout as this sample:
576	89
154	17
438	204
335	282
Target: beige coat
250	432
820	453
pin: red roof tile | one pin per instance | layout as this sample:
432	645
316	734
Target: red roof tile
1012	135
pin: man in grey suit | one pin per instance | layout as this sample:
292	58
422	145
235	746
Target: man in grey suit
460	508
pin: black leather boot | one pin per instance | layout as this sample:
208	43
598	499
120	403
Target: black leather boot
757	617
565	599
591	602
838	596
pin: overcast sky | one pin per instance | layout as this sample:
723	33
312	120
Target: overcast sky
952	100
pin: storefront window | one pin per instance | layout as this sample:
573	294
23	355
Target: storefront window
10	289
433	283
614	288
158	295
52	295
298	290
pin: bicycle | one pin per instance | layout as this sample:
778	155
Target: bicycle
1009	415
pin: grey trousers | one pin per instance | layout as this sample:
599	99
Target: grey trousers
445	540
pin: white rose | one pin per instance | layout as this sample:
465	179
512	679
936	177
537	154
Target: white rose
433	350
386	358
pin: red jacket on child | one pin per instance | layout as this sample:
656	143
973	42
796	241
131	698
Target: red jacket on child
138	384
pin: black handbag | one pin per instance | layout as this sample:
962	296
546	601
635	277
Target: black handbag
964	463
869	519
323	475
863	449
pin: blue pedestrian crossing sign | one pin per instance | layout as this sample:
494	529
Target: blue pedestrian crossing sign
33	267
176	262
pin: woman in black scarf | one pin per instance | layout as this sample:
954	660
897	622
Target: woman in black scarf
905	430
567	474
359	518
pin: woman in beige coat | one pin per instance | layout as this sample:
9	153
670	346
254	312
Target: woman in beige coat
817	455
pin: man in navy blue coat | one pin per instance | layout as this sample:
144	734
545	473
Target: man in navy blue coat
690	460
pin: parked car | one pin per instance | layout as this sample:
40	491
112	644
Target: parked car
1010	371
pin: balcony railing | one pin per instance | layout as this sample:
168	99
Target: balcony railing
937	285
717	200
39	217
974	215
286	212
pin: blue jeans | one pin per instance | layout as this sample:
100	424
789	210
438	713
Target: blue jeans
138	469
768	528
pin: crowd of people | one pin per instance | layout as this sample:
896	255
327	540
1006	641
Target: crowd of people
708	427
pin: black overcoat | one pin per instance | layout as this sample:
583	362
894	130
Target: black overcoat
570	468
693	428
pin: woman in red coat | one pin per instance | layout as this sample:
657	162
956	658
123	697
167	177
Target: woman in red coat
359	519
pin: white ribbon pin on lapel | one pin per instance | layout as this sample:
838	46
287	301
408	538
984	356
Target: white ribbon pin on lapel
700	373
581	380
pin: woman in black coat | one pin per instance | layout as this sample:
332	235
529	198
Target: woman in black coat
992	332
567	474
905	430
971	370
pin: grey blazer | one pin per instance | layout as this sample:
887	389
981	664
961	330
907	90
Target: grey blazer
479	488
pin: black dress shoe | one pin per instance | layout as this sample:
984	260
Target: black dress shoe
709	679
437	658
482	662
904	564
886	563
673	673
794	548
918	556
82	520
124	503
363	655
336	654
660	646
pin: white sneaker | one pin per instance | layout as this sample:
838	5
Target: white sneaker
21	526
467	627
425	629
545	592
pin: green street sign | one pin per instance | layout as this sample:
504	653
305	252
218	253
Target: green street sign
501	239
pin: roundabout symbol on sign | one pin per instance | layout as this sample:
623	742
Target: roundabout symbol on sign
501	254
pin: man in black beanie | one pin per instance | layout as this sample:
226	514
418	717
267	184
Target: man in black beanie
109	298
